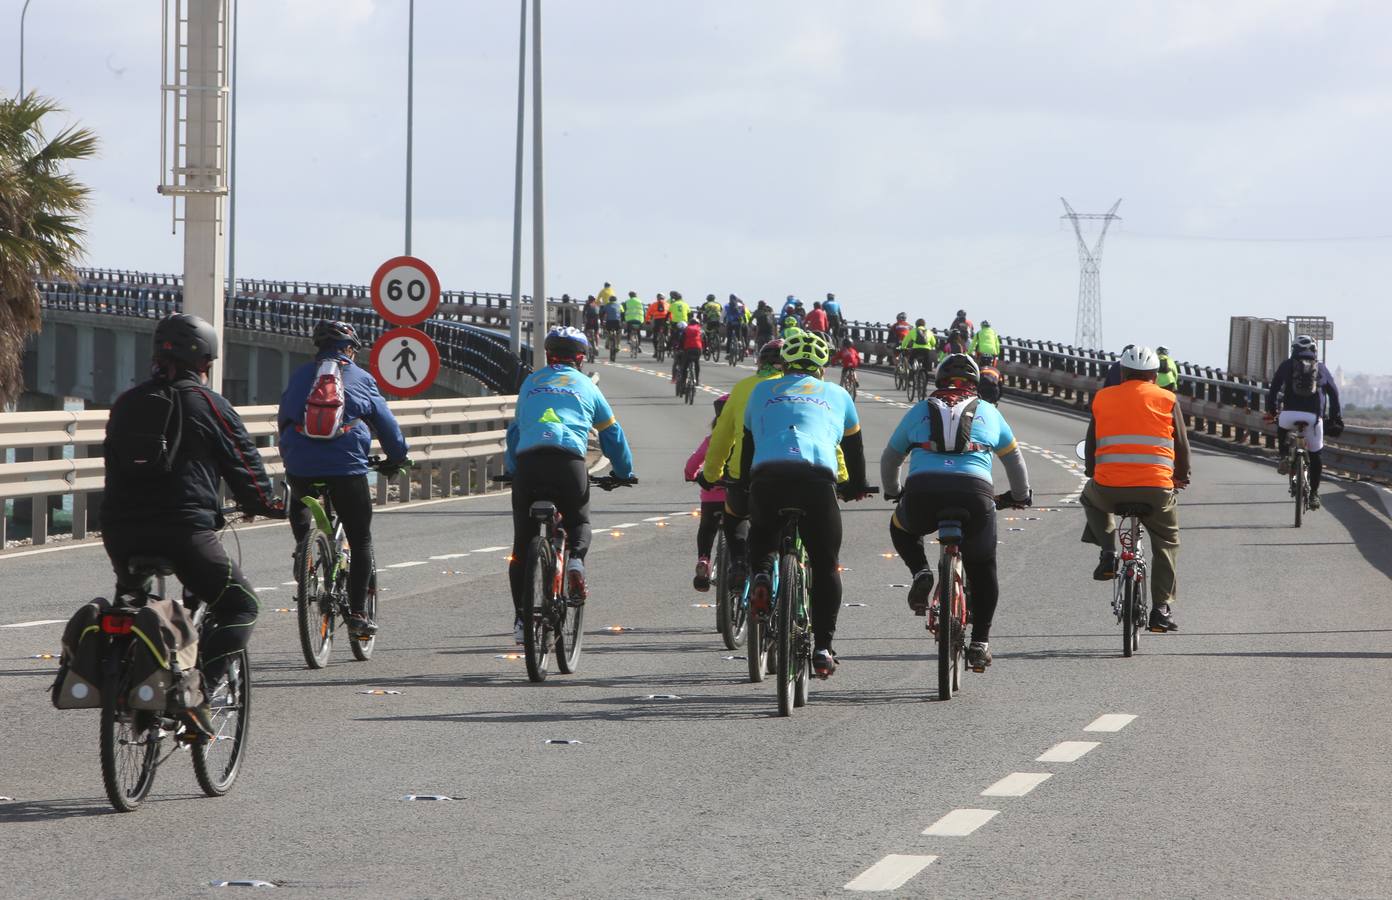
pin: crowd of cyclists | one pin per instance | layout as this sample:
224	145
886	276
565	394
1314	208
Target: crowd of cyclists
783	437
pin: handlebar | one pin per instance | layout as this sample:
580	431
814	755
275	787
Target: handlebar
603	482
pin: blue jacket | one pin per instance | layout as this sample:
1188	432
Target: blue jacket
556	408
832	308
1281	387
364	406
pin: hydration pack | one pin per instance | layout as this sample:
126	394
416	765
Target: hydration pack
1304	377
950	427
145	430
324	407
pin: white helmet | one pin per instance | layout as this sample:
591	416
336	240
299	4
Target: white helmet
1140	359
1303	342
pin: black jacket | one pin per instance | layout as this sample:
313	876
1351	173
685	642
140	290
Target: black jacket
215	446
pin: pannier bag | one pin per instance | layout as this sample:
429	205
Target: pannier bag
162	636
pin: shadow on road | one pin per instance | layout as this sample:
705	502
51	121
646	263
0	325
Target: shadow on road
1370	532
1294	654
19	812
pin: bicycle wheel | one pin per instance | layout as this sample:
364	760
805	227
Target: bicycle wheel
314	598
755	649
690	390
129	748
718	576
802	641
1129	625
571	635
362	646
536	629
731	599
785	659
218	759
946	626
1298	474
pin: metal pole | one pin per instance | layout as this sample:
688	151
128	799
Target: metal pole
515	319
538	208
234	10
22	13
410	107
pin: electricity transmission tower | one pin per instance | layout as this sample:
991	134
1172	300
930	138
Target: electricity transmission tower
1089	330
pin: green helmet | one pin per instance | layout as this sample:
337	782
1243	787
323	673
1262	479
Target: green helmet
805	348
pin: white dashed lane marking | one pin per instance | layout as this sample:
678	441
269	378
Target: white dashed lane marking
961	822
889	873
1110	722
489	549
1068	751
657	518
35	622
407	565
1016	784
449	556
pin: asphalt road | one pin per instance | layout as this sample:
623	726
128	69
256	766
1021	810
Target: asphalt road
1255	764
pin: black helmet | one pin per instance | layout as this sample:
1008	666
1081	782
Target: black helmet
957	365
187	339
710	298
831	296
846	343
962	313
985	324
330	332
771	353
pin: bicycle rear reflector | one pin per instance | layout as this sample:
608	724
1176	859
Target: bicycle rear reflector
117	624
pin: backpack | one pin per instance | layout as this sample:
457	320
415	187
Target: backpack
1304	378
324	407
146	429
950	427
166	643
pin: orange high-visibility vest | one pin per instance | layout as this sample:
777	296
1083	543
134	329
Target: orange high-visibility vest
1135	435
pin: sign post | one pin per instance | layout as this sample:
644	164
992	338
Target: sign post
405	292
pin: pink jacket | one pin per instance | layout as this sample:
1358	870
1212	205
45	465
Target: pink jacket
694	464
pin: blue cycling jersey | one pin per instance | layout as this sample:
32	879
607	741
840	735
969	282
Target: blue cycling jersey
832	308
556	408
734	315
611	311
989	429
799	418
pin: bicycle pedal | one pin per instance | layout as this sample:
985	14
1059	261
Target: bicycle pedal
980	671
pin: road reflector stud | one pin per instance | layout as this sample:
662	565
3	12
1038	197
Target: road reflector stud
43	656
852	604
426	797
660	697
735	657
1015	529
703	606
281	609
619	629
560	741
243	882
379	692
508	656
616	534
888	555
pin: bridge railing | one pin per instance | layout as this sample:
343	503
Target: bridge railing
457	444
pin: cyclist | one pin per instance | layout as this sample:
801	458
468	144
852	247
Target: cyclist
832	308
1168	378
692	343
674	346
794	426
592	316
633	315
712	314
816	320
332	450
847	357
1112	378
712	506
546	446
659	315
764	323
790	327
723	456
897	332
790	307
174	510
611	314
679	308
958	341
963	323
949	438
985	345
1137	451
920	344
1304	392
735	314
606	293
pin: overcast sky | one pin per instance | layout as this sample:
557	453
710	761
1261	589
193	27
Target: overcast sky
906	155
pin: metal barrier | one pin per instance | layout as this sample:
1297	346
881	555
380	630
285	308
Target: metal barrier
457	444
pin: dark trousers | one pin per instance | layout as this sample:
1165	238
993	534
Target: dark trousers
712	516
207	572
735	520
563	480
801	486
350	497
923	499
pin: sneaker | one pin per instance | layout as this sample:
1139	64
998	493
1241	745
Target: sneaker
978	656
1283	465
1314	501
761	595
1161	620
921	591
575	579
517	631
1106	567
359	625
824	663
703	575
200	719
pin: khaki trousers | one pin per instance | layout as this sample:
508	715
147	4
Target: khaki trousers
1099	502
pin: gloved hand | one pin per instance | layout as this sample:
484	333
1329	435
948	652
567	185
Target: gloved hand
392	467
1334	426
703	482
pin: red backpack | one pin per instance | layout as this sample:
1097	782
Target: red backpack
324	407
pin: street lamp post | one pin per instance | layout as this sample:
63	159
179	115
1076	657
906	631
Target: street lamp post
234	10
515	330
538	209
22	13
410	107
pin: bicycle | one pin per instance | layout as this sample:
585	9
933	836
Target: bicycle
734	347
592	339
711	343
1130	599
322	563
901	370
556	619
1299	471
659	339
635	341
686	381
850	382
917	381
611	342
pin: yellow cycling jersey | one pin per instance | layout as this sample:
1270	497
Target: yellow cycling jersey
909	343
604	295
727	437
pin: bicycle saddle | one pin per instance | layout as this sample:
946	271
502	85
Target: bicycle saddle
1134	509
145	566
543	509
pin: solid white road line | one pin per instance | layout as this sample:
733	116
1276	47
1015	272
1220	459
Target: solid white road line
489	549
623	525
1067	751
889	873
35	622
449	556
961	822
1016	784
407	565
657	518
1111	722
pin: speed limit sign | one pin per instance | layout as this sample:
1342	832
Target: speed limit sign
405	291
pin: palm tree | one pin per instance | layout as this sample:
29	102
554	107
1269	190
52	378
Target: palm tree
42	207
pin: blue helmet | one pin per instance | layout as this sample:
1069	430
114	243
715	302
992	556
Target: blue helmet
564	342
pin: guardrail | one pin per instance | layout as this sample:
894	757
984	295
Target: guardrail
457	444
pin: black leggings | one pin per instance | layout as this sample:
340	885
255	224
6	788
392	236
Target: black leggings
712	516
351	497
207	572
562	479
917	514
804	487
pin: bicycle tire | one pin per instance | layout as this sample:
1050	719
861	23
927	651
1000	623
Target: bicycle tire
802	637
316	606
784	670
945	624
215	771
731	598
720	580
1128	614
536	627
1299	475
362	647
754	649
690	391
570	637
117	759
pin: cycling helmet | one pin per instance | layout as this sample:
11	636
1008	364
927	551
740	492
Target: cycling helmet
961	313
1140	359
771	353
789	321
985	324
676	295
816	304
902	317
566	343
660	297
806	349
692	317
187	339
831	296
710	298
959	366
607	284
328	332
1303	342
1163	351
846	343
919	323
791	298
633	293
681	325
734	299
